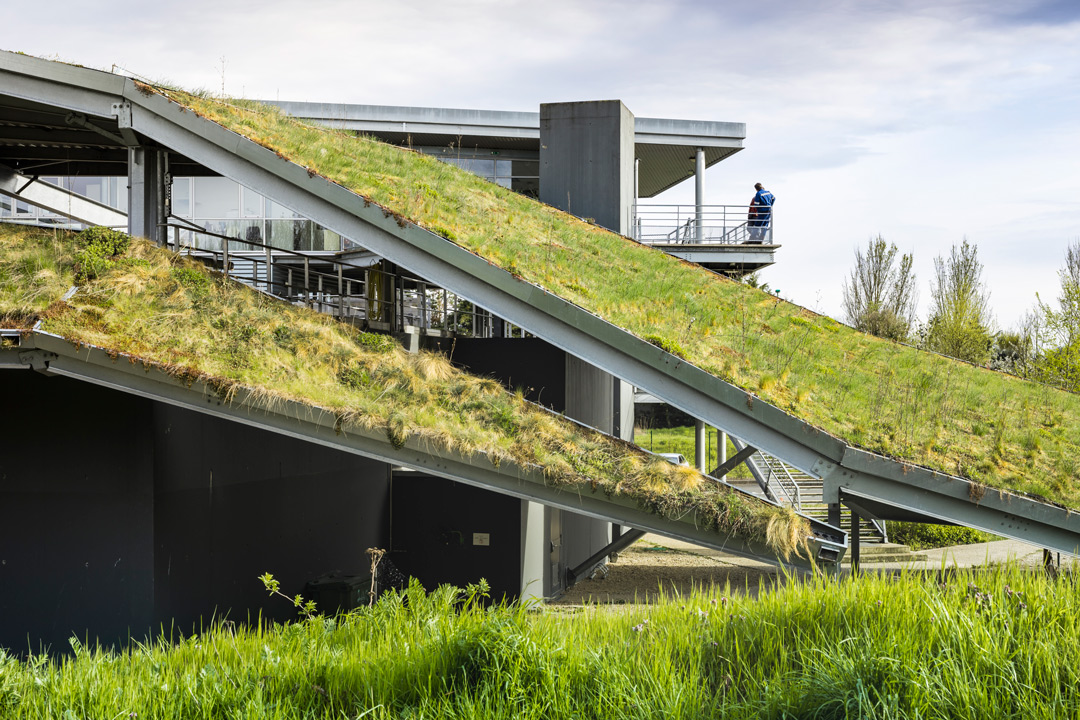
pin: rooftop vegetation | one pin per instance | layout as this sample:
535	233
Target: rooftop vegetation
875	394
1000	644
152	304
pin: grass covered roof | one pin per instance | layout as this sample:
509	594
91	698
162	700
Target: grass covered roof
149	303
887	398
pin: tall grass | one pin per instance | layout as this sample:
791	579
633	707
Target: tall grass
991	644
891	399
197	325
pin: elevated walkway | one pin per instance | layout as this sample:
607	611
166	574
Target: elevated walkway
871	485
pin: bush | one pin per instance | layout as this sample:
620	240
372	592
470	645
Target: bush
98	248
923	536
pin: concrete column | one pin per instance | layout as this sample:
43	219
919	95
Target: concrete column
146	193
701	460
699	194
587	160
721	449
635	227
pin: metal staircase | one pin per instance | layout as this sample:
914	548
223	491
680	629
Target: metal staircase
778	481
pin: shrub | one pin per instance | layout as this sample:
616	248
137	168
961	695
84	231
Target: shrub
923	536
98	248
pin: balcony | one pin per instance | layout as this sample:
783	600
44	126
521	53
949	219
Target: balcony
724	238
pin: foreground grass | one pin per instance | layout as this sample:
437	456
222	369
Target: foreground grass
887	398
1003	643
198	325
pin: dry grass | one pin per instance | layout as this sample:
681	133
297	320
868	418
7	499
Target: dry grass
168	310
887	398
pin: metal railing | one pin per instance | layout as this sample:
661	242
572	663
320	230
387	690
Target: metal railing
368	294
774	470
704	225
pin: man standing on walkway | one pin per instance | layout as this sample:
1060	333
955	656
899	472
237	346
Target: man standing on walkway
760	214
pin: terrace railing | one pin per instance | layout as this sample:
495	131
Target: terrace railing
701	225
362	293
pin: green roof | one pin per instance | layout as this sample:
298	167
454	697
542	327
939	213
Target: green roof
874	394
171	312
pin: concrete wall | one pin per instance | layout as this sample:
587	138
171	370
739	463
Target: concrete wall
587	160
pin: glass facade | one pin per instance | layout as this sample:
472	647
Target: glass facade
223	207
519	175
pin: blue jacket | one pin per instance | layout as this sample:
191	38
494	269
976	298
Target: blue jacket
763	198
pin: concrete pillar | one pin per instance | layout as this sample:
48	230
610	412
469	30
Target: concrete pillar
701	460
534	583
587	161
146	193
721	449
699	194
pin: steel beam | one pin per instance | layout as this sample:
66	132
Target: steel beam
863	480
622	541
57	200
755	473
734	461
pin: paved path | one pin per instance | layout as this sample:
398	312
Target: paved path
957	556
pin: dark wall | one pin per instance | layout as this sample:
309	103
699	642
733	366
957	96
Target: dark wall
76	513
529	363
434	523
236	501
120	516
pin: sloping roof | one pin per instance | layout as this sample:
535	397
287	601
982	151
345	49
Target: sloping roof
852	409
158	325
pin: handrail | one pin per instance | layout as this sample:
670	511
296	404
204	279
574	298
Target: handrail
423	305
702	224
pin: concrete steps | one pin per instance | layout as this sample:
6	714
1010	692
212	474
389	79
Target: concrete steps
884	553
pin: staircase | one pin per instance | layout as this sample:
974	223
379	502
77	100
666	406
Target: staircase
793	487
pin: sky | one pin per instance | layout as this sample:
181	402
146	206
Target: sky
922	122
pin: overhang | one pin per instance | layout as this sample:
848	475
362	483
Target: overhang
666	147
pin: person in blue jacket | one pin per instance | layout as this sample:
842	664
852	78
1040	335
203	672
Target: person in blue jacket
760	214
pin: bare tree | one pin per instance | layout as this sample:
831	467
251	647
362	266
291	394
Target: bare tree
960	316
880	295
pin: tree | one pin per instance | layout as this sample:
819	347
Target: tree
880	295
960	320
1060	329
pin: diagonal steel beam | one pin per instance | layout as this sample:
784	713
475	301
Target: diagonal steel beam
864	480
57	200
734	461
